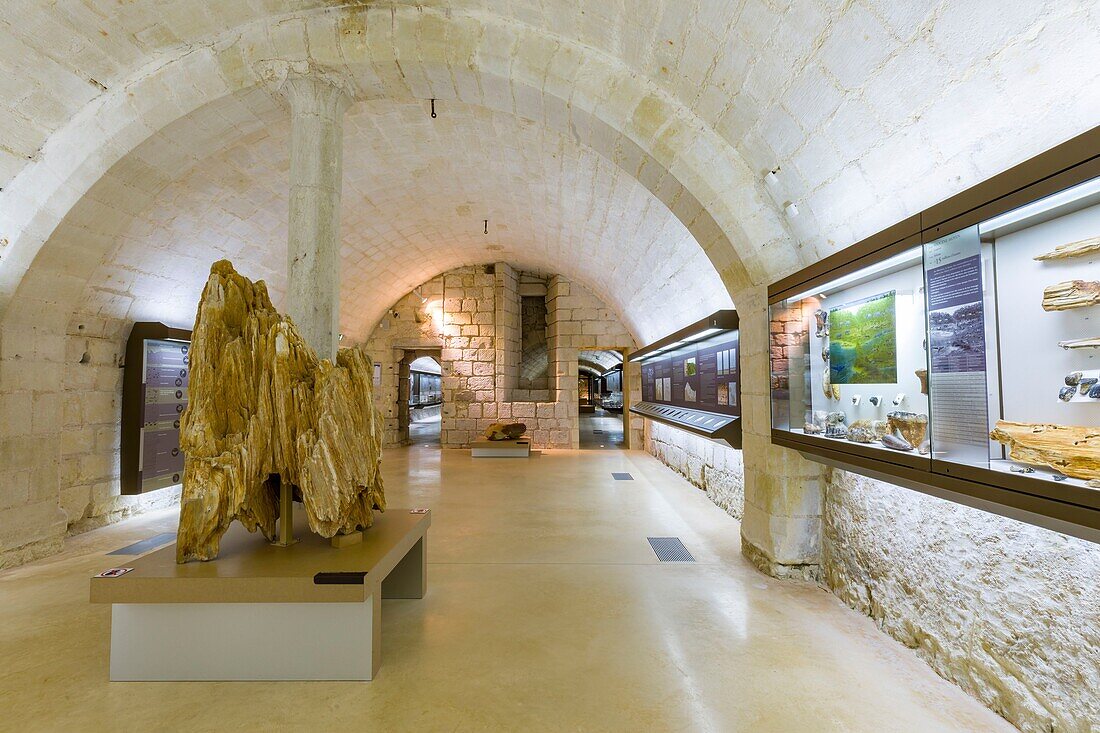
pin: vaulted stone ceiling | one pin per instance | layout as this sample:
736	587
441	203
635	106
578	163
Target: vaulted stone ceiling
869	109
417	192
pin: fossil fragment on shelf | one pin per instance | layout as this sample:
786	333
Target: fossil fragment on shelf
836	391
1071	294
1072	249
1071	450
822	319
264	411
922	375
896	442
1090	343
1065	394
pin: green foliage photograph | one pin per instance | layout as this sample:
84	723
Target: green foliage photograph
863	341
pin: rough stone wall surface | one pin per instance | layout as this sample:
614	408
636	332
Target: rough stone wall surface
715	468
534	359
473	315
1008	611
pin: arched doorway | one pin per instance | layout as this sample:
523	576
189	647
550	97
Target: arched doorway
420	397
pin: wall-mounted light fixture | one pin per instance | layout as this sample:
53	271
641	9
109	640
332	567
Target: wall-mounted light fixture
791	208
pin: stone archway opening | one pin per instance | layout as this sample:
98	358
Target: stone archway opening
602	399
419	397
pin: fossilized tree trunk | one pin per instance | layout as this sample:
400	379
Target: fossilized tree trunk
1073	451
1072	249
263	409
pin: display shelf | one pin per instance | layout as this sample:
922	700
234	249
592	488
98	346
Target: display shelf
726	428
932	354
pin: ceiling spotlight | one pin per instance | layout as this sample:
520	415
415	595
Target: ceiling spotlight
792	209
340	337
771	178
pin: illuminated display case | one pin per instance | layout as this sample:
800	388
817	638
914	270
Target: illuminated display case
960	358
425	389
691	379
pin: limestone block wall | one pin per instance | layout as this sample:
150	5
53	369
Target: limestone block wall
1008	611
473	316
715	468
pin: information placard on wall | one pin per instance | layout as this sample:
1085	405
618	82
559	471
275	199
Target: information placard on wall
154	397
704	376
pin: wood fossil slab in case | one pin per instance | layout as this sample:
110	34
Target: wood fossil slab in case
1073	451
1071	294
1072	249
264	410
1091	343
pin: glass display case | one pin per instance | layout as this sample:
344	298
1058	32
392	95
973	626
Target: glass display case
1014	332
960	358
849	359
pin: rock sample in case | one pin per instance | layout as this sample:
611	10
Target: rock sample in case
263	409
505	431
1071	294
1072	249
1073	451
896	442
922	375
911	426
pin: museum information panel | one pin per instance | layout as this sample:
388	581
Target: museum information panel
164	398
700	376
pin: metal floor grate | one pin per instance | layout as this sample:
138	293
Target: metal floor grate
670	549
145	545
622	477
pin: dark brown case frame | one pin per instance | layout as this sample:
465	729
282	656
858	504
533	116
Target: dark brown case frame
132	404
1072	510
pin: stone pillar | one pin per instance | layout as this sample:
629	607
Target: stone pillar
781	527
317	105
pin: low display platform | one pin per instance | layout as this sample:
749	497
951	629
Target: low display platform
485	448
260	612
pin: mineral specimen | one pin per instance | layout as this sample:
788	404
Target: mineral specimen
835	418
1065	394
826	386
1072	249
909	425
1073	379
505	431
836	391
1071	294
861	431
1021	469
265	411
834	425
1086	383
822	318
1073	451
1094	392
891	440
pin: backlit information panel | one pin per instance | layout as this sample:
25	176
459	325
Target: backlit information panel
154	396
702	376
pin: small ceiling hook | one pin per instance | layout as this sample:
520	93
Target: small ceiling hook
433	108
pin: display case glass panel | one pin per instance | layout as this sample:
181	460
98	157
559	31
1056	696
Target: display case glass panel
848	359
1014	323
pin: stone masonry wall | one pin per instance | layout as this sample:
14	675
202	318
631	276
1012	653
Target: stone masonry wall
715	468
472	314
1007	611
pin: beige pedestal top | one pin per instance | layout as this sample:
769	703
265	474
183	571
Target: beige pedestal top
250	570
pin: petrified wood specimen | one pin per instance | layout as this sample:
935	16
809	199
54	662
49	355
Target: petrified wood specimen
909	425
505	431
263	409
1072	249
1074	451
1071	294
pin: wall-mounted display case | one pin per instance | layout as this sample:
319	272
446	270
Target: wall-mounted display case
154	396
961	357
691	379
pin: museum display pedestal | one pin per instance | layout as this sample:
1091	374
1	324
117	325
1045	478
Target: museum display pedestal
485	448
260	612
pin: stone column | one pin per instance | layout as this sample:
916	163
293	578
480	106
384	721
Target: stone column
781	527
317	105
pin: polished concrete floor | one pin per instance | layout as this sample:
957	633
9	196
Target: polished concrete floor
601	430
546	610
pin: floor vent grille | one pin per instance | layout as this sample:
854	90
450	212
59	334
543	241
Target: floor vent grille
670	549
145	545
622	477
